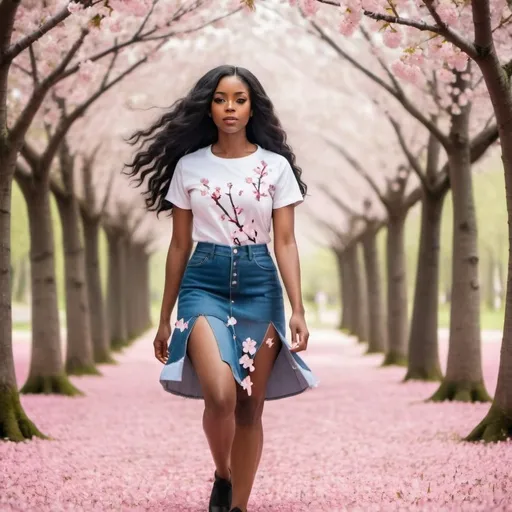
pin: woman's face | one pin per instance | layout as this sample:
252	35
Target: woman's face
231	105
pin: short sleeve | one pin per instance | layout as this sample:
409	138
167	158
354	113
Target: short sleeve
287	188
177	193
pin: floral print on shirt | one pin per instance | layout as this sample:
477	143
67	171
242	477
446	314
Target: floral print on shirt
233	213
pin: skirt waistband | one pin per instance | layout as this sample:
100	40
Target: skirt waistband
227	250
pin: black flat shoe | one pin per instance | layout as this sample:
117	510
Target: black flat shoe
220	498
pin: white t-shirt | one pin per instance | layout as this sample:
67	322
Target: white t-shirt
232	198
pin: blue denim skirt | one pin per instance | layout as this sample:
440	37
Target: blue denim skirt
237	290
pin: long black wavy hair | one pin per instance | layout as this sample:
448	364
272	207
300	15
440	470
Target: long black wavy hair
187	127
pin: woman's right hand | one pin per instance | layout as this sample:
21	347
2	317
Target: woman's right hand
160	344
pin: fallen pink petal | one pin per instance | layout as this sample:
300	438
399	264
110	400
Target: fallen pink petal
361	441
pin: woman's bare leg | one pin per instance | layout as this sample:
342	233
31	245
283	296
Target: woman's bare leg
248	442
219	390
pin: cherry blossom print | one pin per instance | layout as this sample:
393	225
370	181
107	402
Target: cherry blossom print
240	234
249	346
261	172
247	385
231	321
271	190
181	325
247	362
269	341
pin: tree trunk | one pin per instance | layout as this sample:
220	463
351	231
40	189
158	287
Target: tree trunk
116	290
14	423
464	379
146	286
423	358
360	316
133	290
79	354
97	316
345	287
46	373
497	424
376	314
396	292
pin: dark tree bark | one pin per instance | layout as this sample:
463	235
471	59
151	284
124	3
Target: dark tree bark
464	378
377	341
423	363
46	373
116	294
397	293
97	317
79	353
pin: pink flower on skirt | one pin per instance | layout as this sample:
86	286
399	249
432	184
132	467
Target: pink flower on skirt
181	325
247	385
249	346
269	341
247	362
231	321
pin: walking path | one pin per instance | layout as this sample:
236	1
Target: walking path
361	441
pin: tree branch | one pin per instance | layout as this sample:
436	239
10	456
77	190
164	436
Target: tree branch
33	65
19	130
22	44
7	16
412	159
441	28
358	167
483	29
339	203
402	99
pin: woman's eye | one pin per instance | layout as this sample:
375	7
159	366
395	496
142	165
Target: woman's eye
241	101
218	100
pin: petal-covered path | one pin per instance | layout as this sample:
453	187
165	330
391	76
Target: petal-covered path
361	441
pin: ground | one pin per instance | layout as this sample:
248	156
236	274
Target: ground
361	441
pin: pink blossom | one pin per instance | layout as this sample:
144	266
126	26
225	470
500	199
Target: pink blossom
247	385
248	180
269	341
392	37
249	346
247	362
231	321
74	7
204	192
230	185
181	325
216	195
204	181
310	7
445	75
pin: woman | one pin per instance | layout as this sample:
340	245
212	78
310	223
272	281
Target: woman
220	160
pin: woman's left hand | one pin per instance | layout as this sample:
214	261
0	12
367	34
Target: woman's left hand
300	333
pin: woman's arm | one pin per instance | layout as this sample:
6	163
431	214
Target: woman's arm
287	255
177	257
